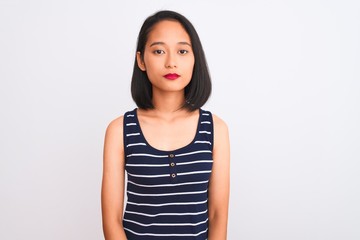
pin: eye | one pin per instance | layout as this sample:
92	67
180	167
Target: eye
183	51
159	52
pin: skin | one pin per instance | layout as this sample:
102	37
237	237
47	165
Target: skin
168	50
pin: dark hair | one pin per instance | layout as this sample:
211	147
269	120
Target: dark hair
197	92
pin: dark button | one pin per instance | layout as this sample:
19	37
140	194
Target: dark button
171	155
172	164
173	175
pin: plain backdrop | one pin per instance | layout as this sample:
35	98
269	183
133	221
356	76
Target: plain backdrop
286	80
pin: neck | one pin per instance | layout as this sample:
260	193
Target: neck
168	102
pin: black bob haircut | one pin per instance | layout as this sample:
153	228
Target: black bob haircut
197	92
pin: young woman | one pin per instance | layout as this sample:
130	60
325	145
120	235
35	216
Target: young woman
176	155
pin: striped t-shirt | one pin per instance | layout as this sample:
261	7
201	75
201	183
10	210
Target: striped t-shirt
167	191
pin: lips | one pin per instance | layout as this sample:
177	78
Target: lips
171	76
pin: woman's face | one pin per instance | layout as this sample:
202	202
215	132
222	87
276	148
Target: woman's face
168	58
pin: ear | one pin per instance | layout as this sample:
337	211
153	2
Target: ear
140	62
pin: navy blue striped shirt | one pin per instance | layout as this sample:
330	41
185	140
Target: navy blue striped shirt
167	191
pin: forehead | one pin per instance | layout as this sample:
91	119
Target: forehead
168	31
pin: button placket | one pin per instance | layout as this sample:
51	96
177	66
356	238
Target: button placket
172	166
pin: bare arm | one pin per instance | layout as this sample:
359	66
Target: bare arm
112	190
219	186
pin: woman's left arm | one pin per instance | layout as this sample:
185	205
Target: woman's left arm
219	184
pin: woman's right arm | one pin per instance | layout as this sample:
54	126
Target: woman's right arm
112	189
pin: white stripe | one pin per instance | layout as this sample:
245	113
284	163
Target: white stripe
193	162
132	134
148	155
135	144
147	165
130	124
167	214
167	204
189	153
166	235
166	224
190	173
203	142
166	194
205	122
130	115
168	185
205	114
205	132
149	176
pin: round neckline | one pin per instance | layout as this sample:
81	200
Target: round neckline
168	151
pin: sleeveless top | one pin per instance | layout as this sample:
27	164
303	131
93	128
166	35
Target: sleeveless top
167	191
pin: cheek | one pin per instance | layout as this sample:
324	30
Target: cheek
192	62
150	65
191	65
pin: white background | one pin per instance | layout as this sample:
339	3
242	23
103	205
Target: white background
286	80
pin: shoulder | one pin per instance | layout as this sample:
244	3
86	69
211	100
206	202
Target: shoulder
221	133
114	131
115	125
115	128
220	125
219	122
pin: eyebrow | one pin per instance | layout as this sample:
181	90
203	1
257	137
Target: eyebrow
162	43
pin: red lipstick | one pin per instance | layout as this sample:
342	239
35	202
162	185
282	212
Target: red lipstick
171	76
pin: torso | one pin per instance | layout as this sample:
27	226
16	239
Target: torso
167	175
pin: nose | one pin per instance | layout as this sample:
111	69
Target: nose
170	61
